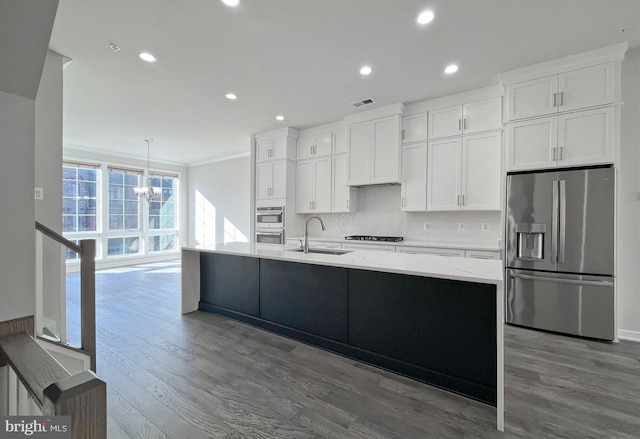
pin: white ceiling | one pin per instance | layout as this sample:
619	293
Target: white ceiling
296	57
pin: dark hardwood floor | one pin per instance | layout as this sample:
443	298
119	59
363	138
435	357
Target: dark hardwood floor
202	376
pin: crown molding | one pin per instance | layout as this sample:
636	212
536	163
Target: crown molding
220	159
72	147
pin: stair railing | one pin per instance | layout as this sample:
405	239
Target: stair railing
86	249
33	383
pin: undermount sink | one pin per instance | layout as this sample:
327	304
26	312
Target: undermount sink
323	251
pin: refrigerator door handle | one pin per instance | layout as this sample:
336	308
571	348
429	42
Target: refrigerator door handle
599	283
554	223
562	220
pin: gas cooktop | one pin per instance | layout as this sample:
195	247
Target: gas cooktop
374	238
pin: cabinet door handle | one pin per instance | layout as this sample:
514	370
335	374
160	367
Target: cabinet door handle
462	198
554	154
459	124
555	99
560	152
402	134
458	200
347	203
464	125
561	99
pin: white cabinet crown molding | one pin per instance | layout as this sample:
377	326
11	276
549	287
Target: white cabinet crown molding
376	113
571	62
278	133
321	129
456	99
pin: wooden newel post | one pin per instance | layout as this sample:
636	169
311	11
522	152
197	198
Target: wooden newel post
84	398
88	298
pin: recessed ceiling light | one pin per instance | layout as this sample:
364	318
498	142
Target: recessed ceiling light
231	96
231	2
146	56
425	17
365	70
451	68
280	118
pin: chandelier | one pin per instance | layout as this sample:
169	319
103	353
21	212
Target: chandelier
149	192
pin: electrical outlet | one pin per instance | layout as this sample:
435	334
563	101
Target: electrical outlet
427	226
460	227
484	227
39	193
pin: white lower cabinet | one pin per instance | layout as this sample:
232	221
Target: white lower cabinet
572	139
314	186
413	191
464	173
451	252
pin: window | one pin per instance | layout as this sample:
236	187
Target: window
124	205
162	214
79	198
99	202
123	245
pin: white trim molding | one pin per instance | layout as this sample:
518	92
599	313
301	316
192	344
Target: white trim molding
220	159
629	335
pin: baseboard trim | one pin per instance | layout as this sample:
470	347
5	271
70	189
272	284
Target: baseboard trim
629	335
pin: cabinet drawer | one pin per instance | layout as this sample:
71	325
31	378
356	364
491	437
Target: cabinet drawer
483	254
375	247
450	252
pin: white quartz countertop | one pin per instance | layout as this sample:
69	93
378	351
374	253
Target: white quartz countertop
453	268
412	243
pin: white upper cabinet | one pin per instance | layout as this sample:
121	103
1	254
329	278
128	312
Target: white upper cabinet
571	139
343	197
481	165
446	122
271	179
414	177
314	186
374	151
473	117
586	137
573	90
443	182
340	144
414	128
273	149
588	87
315	146
464	173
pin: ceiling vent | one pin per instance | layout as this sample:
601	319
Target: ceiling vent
364	102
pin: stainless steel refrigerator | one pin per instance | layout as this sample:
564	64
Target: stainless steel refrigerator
560	251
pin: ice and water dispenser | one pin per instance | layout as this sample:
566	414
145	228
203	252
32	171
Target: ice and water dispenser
530	238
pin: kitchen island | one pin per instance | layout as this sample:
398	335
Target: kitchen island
431	318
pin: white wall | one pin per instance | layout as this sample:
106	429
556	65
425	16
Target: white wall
628	238
379	214
17	243
219	202
48	175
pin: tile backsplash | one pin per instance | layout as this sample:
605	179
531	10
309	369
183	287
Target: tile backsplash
379	214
